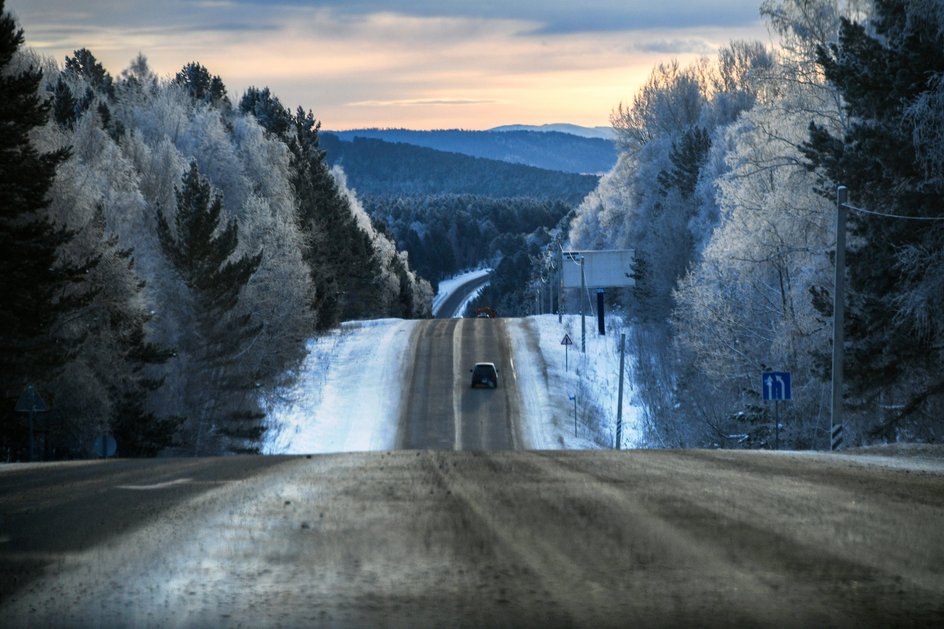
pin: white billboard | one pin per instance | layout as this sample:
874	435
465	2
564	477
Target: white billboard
602	269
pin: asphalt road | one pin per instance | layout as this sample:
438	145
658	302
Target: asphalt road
445	538
440	410
449	308
460	528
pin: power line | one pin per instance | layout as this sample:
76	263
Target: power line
907	218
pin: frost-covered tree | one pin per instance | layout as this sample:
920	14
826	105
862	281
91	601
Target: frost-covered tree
889	70
659	199
748	303
107	383
110	219
732	240
267	109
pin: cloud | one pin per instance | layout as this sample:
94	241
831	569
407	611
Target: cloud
422	102
554	17
677	47
412	63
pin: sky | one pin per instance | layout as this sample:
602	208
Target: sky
419	64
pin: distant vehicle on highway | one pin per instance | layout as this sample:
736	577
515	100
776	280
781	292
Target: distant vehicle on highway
485	313
485	375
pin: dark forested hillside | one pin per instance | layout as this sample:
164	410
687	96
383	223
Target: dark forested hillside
374	167
444	234
550	150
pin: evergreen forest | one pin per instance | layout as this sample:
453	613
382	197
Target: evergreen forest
167	251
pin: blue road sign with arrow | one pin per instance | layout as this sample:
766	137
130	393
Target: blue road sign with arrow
776	385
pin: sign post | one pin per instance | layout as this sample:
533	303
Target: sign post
574	398
583	313
31	403
776	386
601	321
566	342
839	304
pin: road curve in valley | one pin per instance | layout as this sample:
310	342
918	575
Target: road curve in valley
450	307
439	409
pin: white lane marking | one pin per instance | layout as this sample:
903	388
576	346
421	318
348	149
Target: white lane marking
457	388
170	483
514	376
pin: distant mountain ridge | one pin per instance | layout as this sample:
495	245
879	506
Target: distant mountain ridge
604	133
378	167
540	147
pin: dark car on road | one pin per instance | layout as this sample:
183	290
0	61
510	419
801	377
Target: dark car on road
485	375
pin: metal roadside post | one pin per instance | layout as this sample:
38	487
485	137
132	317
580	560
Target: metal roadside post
560	287
574	398
619	397
583	307
839	303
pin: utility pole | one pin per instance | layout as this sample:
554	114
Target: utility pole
560	286
839	303
583	311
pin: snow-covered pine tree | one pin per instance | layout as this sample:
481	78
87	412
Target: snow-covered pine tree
201	85
118	354
200	246
343	262
885	69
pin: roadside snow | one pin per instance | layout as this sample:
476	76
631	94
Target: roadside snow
347	398
548	375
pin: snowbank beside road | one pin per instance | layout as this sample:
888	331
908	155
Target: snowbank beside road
347	398
548	375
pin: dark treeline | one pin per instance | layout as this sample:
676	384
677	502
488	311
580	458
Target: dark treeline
445	234
166	254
